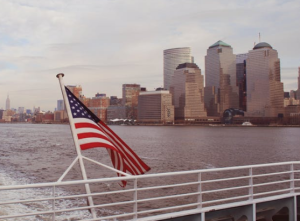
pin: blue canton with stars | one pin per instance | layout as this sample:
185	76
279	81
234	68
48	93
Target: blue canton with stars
78	109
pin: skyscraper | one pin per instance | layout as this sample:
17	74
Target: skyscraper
221	91
241	79
130	93
7	106
188	92
264	89
172	58
60	105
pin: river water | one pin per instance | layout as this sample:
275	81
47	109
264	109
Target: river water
33	153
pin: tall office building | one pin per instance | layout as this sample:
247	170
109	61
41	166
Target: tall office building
264	89
241	79
221	91
188	92
155	106
60	105
172	58
130	93
7	106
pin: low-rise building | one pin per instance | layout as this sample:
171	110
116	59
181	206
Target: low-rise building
155	106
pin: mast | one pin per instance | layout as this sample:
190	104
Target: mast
78	150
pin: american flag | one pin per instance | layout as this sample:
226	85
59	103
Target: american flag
92	132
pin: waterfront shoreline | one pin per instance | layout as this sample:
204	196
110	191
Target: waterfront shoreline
199	125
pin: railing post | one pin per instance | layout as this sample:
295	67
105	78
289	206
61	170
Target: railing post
135	200
251	183
53	203
292	179
200	191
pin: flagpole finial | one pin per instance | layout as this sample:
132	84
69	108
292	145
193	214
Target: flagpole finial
62	75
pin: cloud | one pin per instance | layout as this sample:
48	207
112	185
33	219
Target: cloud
103	44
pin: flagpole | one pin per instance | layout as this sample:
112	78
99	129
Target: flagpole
78	150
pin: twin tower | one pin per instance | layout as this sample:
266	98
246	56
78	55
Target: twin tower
249	82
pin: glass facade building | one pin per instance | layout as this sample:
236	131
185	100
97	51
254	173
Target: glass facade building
60	105
221	91
188	92
241	79
172	58
264	88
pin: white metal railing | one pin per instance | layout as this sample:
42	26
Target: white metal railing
153	194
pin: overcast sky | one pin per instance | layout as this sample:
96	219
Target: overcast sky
102	44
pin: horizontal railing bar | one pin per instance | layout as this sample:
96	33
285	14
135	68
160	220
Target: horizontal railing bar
67	210
25	215
270	192
226	199
26	201
112	179
168	208
225	179
167	197
271	183
225	189
110	217
66	197
168	186
271	174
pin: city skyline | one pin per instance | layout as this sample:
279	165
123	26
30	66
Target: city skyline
101	52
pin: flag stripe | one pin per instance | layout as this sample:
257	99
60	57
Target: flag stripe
100	142
132	166
128	149
93	135
95	144
130	154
